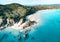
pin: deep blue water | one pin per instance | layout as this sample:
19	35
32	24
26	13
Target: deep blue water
49	31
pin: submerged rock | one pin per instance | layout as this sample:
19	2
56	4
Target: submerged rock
26	36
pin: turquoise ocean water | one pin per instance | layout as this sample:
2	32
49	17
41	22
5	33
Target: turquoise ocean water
49	31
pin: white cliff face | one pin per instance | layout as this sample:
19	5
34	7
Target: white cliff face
33	20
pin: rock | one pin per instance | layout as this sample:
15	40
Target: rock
25	36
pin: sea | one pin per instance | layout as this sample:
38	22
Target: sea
48	30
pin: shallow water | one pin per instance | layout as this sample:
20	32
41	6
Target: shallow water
49	31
